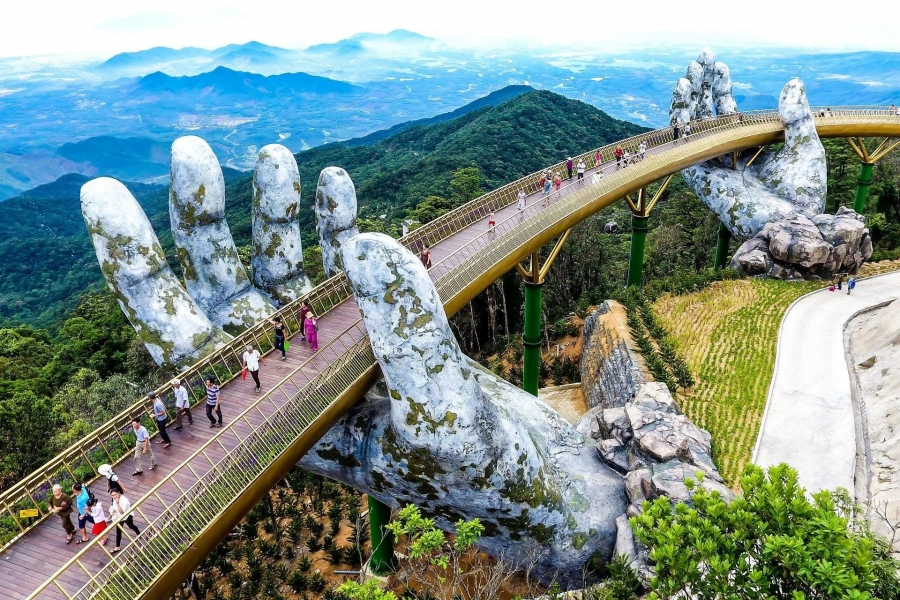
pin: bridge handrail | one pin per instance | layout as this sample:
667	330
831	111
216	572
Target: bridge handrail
465	215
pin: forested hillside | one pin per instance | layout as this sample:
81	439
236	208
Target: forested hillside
47	261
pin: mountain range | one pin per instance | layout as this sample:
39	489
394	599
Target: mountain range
242	96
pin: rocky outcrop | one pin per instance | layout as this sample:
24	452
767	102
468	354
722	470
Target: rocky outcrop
611	370
807	248
335	215
277	262
167	320
213	273
449	435
654	447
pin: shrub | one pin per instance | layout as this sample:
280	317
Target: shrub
772	542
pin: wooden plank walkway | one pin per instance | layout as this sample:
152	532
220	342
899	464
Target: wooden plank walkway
40	553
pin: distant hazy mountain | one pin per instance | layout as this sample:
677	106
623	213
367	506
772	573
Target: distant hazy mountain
133	158
358	44
149	57
225	81
492	99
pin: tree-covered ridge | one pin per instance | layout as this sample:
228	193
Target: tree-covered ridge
47	261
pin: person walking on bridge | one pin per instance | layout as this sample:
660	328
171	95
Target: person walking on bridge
619	153
520	203
598	160
569	166
141	447
160	415
304	308
118	512
676	133
112	480
82	496
61	504
424	256
279	336
312	329
213	402
581	167
547	184
642	149
250	361
182	404
687	131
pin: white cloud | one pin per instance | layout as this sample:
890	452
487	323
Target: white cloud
105	27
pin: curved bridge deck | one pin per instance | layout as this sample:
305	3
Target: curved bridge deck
210	478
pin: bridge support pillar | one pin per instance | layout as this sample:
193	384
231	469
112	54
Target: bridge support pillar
862	187
640	217
383	560
868	163
531	339
534	277
636	257
724	239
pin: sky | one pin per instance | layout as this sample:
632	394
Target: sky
105	27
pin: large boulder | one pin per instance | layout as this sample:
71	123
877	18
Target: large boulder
800	247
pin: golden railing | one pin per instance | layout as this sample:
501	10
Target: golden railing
280	422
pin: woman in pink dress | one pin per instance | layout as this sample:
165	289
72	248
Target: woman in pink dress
312	335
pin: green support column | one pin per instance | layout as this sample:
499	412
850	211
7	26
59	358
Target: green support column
636	259
382	561
862	187
531	338
722	247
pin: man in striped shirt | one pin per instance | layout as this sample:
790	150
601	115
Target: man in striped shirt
212	402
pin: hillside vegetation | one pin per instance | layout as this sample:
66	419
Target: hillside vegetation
47	261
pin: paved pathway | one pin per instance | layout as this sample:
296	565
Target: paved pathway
808	422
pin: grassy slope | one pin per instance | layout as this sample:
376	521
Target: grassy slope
728	333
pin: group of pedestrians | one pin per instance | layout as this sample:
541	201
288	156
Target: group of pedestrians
89	509
838	284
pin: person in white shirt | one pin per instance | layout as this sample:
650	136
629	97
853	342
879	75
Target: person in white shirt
642	150
95	507
141	447
118	509
251	363
182	403
580	166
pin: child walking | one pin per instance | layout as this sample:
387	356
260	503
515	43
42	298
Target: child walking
99	517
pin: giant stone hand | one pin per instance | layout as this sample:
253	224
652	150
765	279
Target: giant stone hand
179	324
451	437
777	185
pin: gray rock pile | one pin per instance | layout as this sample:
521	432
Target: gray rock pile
800	247
656	449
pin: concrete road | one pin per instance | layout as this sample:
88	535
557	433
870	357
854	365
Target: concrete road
808	422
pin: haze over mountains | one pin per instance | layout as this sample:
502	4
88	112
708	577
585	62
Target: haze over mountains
240	97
